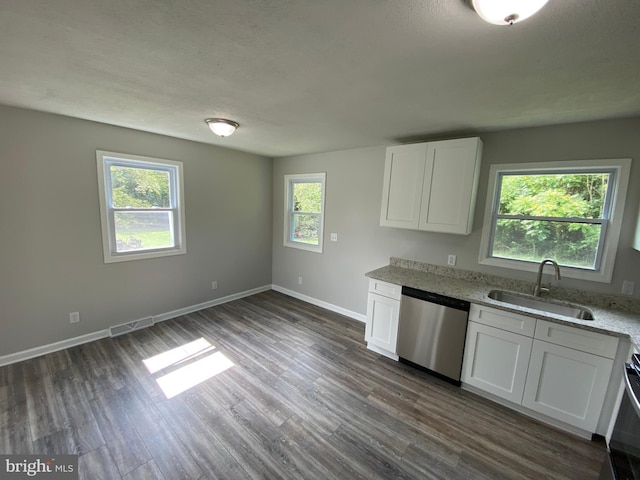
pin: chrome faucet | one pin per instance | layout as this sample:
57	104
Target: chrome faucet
538	289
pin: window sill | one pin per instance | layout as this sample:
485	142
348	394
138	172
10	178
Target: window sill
304	246
125	257
568	272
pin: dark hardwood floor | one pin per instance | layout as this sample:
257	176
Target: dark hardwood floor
303	399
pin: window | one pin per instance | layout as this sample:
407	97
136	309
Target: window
141	207
570	212
304	211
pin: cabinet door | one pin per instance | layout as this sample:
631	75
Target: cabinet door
402	188
496	361
451	182
382	322
567	384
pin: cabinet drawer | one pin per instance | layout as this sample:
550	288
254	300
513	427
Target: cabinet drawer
577	338
511	322
390	290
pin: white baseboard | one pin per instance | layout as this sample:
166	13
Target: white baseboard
52	347
211	303
90	337
319	303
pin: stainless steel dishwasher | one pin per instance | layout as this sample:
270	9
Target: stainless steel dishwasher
432	331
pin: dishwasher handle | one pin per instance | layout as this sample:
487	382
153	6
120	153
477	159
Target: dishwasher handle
436	298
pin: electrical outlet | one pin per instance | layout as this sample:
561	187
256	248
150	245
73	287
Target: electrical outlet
628	287
334	237
299	280
214	285
451	260
74	317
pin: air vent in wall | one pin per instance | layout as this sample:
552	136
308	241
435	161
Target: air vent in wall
131	326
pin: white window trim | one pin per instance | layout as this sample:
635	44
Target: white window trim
311	177
622	169
108	233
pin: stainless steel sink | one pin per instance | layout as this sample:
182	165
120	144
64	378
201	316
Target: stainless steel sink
535	303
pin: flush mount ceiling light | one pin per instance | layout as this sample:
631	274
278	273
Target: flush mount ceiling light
507	12
221	126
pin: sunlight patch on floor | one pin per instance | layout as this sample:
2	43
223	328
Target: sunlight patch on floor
193	372
177	355
191	375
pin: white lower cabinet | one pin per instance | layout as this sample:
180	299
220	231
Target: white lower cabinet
496	361
553	371
566	384
383	312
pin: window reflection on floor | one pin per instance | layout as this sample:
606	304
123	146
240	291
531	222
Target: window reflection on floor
188	365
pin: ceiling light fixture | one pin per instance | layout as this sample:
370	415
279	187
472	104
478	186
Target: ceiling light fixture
221	126
507	12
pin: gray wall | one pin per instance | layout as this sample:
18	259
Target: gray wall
354	192
51	259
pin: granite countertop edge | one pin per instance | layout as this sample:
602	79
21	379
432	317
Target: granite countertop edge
608	321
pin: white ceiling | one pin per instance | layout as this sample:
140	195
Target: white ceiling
304	76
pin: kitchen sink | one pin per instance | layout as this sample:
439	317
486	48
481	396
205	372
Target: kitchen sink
535	303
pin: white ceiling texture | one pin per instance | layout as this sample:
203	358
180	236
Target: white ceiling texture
304	76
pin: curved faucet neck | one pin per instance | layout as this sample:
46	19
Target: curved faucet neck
538	289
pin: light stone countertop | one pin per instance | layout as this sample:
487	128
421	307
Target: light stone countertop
612	315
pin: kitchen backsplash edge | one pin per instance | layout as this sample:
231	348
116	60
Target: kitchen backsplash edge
624	304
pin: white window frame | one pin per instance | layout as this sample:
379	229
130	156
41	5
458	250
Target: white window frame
174	168
612	223
289	240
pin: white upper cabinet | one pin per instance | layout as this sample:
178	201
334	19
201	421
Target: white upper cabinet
432	186
450	185
402	187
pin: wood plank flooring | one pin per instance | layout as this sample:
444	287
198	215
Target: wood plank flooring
303	400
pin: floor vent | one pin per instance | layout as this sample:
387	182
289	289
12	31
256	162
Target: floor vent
131	326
